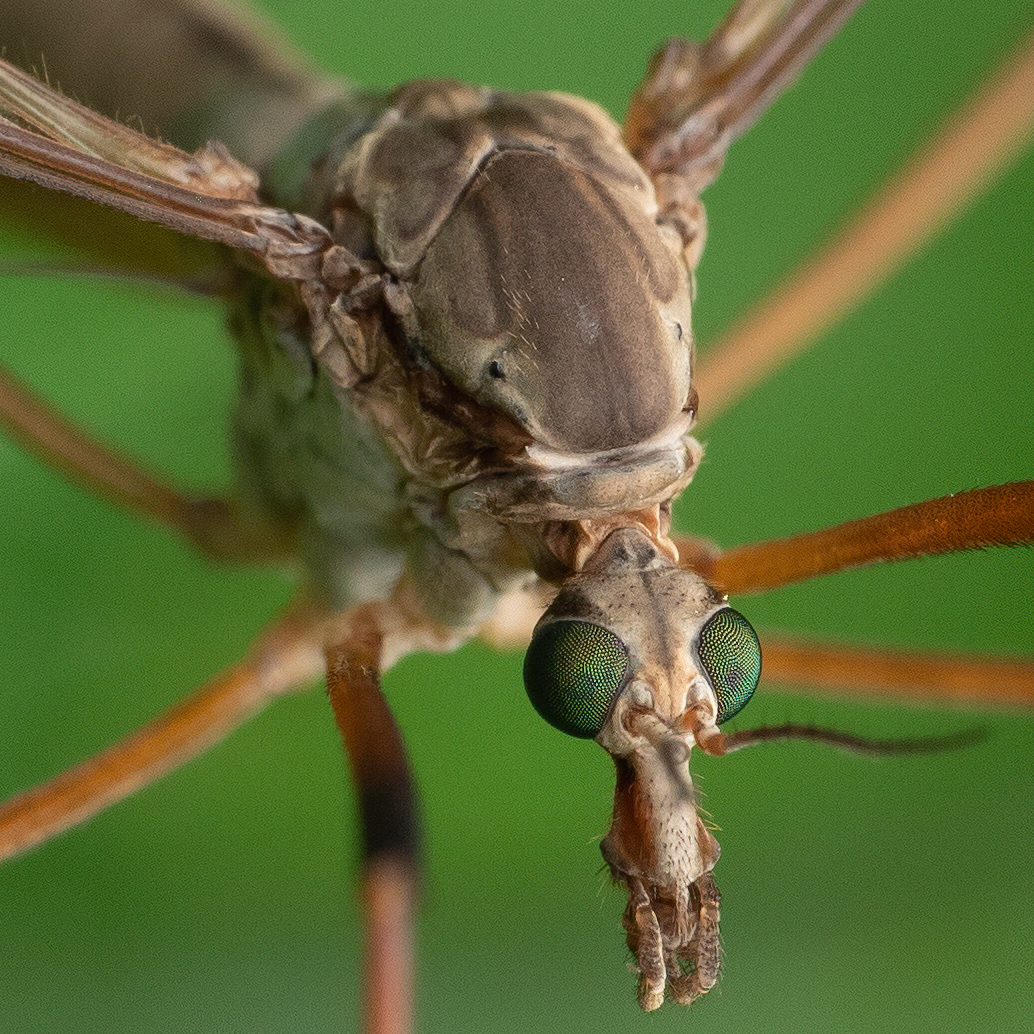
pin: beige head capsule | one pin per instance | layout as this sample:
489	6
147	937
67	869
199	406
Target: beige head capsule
647	659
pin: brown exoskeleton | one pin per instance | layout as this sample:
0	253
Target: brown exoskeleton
553	483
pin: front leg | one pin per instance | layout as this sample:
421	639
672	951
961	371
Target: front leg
388	816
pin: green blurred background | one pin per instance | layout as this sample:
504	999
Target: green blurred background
857	895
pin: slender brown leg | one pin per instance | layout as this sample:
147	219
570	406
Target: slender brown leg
387	810
213	525
1002	515
975	144
287	656
895	673
999	516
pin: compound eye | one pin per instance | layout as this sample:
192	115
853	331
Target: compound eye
730	653
573	671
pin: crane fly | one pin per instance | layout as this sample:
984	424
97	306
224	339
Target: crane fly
485	751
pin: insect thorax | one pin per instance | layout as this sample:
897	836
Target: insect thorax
508	356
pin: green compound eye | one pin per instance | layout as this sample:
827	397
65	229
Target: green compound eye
730	653
573	670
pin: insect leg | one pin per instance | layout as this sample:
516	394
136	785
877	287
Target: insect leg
388	817
974	145
697	98
286	657
64	146
213	525
1002	515
918	674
